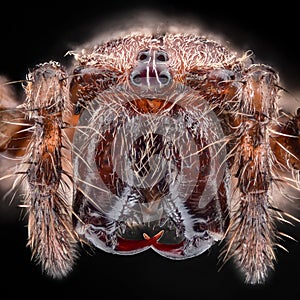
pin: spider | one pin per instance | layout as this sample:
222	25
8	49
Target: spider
163	140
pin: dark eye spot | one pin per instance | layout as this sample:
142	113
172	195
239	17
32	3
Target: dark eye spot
137	79
162	57
143	56
77	70
164	78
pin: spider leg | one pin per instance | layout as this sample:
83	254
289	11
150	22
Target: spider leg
14	137
285	142
252	232
45	167
12	121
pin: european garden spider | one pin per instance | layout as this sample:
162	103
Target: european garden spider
163	140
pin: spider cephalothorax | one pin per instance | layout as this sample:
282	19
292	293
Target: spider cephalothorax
165	141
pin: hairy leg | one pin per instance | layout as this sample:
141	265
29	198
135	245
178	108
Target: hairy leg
45	167
13	140
11	118
252	232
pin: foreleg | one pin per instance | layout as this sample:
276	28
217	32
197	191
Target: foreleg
252	233
46	168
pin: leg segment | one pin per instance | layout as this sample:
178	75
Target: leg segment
48	188
285	142
251	234
11	120
14	135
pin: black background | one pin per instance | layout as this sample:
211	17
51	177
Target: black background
36	33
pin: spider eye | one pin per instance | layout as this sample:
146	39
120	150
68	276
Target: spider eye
136	78
143	56
162	56
165	77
